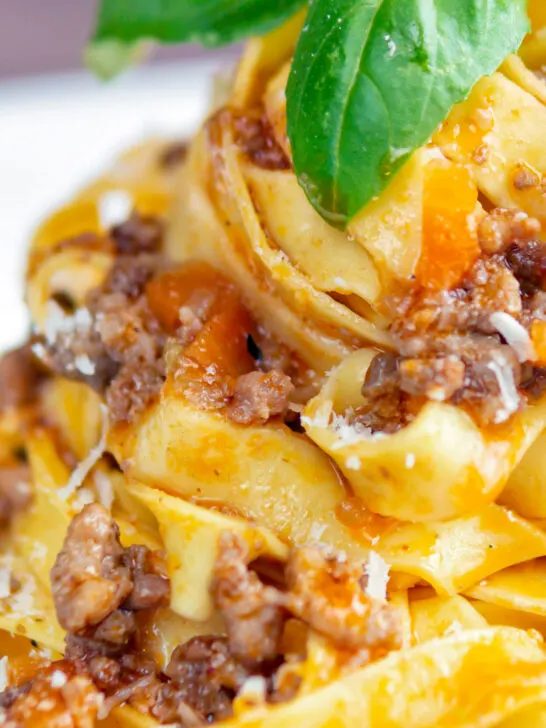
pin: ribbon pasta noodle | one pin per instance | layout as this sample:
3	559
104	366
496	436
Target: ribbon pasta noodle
260	471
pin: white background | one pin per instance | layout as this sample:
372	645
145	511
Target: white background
57	132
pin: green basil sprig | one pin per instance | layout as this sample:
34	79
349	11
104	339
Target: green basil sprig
370	81
210	22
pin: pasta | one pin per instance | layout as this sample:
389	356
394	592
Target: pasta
260	471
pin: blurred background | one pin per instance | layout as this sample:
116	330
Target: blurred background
59	126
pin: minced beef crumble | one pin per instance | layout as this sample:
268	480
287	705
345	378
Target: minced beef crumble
448	346
99	588
131	336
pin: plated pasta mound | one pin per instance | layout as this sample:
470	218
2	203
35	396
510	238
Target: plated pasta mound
260	471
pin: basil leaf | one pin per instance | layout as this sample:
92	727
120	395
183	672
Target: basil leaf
108	58
372	79
210	22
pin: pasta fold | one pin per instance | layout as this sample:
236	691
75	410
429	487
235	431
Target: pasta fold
268	474
521	587
481	676
454	555
191	537
439	466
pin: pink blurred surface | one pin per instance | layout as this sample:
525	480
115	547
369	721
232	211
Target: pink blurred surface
44	36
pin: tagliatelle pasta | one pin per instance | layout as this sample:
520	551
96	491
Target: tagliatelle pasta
260	471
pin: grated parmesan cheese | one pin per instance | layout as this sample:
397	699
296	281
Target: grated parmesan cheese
377	571
353	462
83	469
317	531
321	418
505	378
295	407
515	334
39	551
410	461
84	365
3	673
22	601
5	577
350	433
82	497
454	628
39	350
58	679
347	433
57	322
254	689
115	207
105	491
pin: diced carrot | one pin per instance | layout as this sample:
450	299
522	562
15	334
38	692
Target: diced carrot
21	669
450	244
538	337
168	292
223	339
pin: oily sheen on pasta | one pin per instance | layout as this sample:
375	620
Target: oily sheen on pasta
258	471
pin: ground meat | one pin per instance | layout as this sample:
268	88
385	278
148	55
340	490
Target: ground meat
206	387
502	228
93	576
132	334
174	154
382	376
328	593
151	588
436	322
105	672
448	346
492	375
255	137
19	378
258	397
127	329
15	491
133	390
98	587
324	591
387	414
89	579
198	685
117	628
60	696
10	695
525	178
381	389
528	263
130	273
138	234
65	355
116	343
437	379
250	399
204	676
253	613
